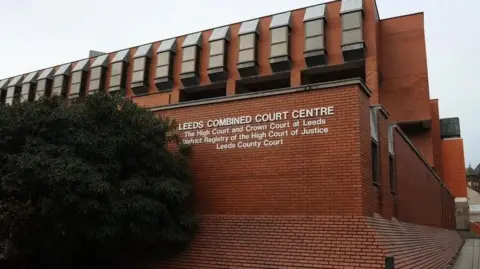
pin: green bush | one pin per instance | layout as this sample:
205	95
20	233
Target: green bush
90	183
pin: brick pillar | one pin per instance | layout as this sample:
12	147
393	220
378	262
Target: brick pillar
454	169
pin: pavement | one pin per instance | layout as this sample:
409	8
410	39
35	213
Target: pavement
469	257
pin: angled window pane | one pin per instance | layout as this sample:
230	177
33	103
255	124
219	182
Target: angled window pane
81	66
167	45
216	61
96	72
100	61
77	77
15	81
249	27
121	56
313	28
193	39
247	41
32	77
351	5
314	43
143	51
351	20
75	89
246	55
94	85
162	71
139	64
138	76
280	49
189	53
115	80
217	47
279	35
58	81
163	58
280	20
3	83
315	12
117	68
188	67
47	73
63	70
352	36
220	33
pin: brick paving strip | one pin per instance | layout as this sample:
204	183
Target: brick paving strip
469	257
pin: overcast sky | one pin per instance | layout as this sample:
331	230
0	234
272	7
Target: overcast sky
41	33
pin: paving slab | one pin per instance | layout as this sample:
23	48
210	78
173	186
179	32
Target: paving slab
469	257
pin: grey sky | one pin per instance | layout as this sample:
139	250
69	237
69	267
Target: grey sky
42	33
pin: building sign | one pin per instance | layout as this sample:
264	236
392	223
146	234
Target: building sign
256	131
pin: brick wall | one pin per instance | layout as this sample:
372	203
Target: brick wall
454	166
422	197
404	75
302	176
314	242
310	203
436	138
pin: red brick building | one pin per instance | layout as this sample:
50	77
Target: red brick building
315	142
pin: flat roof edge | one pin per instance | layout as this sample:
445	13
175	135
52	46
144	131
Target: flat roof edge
303	88
405	15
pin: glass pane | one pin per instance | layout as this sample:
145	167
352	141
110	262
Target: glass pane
39	94
247	41
41	84
138	76
189	53
58	81
139	64
10	92
216	61
188	67
314	43
313	28
163	58
76	77
352	36
94	85
75	89
96	73
246	56
26	88
351	20
216	47
279	35
115	80
162	71
280	49
57	91
117	68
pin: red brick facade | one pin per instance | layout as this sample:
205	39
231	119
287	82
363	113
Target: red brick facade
310	203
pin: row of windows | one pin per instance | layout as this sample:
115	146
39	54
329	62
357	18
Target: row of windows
280	28
375	151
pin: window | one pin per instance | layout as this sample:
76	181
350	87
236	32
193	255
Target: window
314	38
247	48
96	73
41	88
217	54
59	86
393	174
375	163
140	71
77	77
353	47
117	68
189	58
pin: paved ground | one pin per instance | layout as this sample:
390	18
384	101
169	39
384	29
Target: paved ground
469	257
